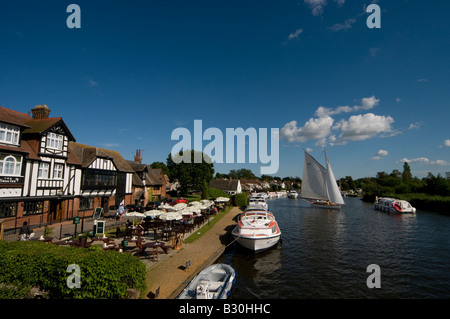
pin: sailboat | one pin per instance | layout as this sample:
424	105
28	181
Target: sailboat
319	184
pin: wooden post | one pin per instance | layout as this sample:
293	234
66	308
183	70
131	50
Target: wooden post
1	228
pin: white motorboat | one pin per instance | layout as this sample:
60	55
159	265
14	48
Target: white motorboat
319	185
392	205
213	282
257	230
257	202
292	194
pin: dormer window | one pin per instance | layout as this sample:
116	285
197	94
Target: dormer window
54	141
9	134
10	165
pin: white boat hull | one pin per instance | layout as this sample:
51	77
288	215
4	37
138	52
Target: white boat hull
325	205
257	244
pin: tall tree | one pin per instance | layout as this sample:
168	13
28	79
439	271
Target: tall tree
190	174
406	175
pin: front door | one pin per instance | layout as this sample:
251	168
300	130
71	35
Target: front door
56	210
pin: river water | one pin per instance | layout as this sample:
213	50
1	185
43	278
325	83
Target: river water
326	253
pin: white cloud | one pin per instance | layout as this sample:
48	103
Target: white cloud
367	103
424	160
398	100
314	129
343	26
415	125
295	34
380	154
447	143
362	127
356	128
340	2
316	6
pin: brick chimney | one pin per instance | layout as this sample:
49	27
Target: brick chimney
40	112
138	157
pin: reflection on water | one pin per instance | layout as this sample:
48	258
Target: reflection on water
325	254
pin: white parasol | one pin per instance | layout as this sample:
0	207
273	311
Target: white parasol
134	214
153	213
171	216
221	199
179	206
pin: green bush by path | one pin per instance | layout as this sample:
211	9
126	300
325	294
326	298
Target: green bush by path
104	274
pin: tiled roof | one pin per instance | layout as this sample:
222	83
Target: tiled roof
87	155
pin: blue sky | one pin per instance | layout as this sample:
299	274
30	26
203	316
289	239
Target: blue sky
137	70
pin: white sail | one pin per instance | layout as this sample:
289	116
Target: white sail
334	194
313	182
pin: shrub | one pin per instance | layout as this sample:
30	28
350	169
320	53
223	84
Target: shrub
240	200
104	274
214	193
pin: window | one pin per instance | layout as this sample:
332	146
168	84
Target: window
54	141
8	209
86	203
58	171
9	134
43	170
10	165
34	207
98	179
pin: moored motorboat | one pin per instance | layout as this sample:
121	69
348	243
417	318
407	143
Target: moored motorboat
392	205
257	202
213	282
257	230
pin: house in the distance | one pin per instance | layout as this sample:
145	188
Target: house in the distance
229	186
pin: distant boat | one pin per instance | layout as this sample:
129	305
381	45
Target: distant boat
213	282
319	184
292	194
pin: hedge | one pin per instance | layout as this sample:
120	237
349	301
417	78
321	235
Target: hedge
104	274
240	199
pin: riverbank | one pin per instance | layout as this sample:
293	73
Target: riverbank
170	275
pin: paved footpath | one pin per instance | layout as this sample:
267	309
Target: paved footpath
170	274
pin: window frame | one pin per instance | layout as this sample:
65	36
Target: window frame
12	131
54	141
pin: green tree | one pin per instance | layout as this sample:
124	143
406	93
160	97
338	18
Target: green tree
191	175
406	175
162	166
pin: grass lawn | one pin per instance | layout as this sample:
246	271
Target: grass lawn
207	226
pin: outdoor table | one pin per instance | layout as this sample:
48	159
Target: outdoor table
138	241
154	246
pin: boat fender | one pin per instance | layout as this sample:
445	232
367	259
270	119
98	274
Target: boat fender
397	207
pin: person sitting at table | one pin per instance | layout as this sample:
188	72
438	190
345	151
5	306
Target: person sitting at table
24	231
32	234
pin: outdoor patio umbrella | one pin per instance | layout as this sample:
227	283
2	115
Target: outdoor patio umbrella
221	199
171	216
153	213
134	215
179	206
